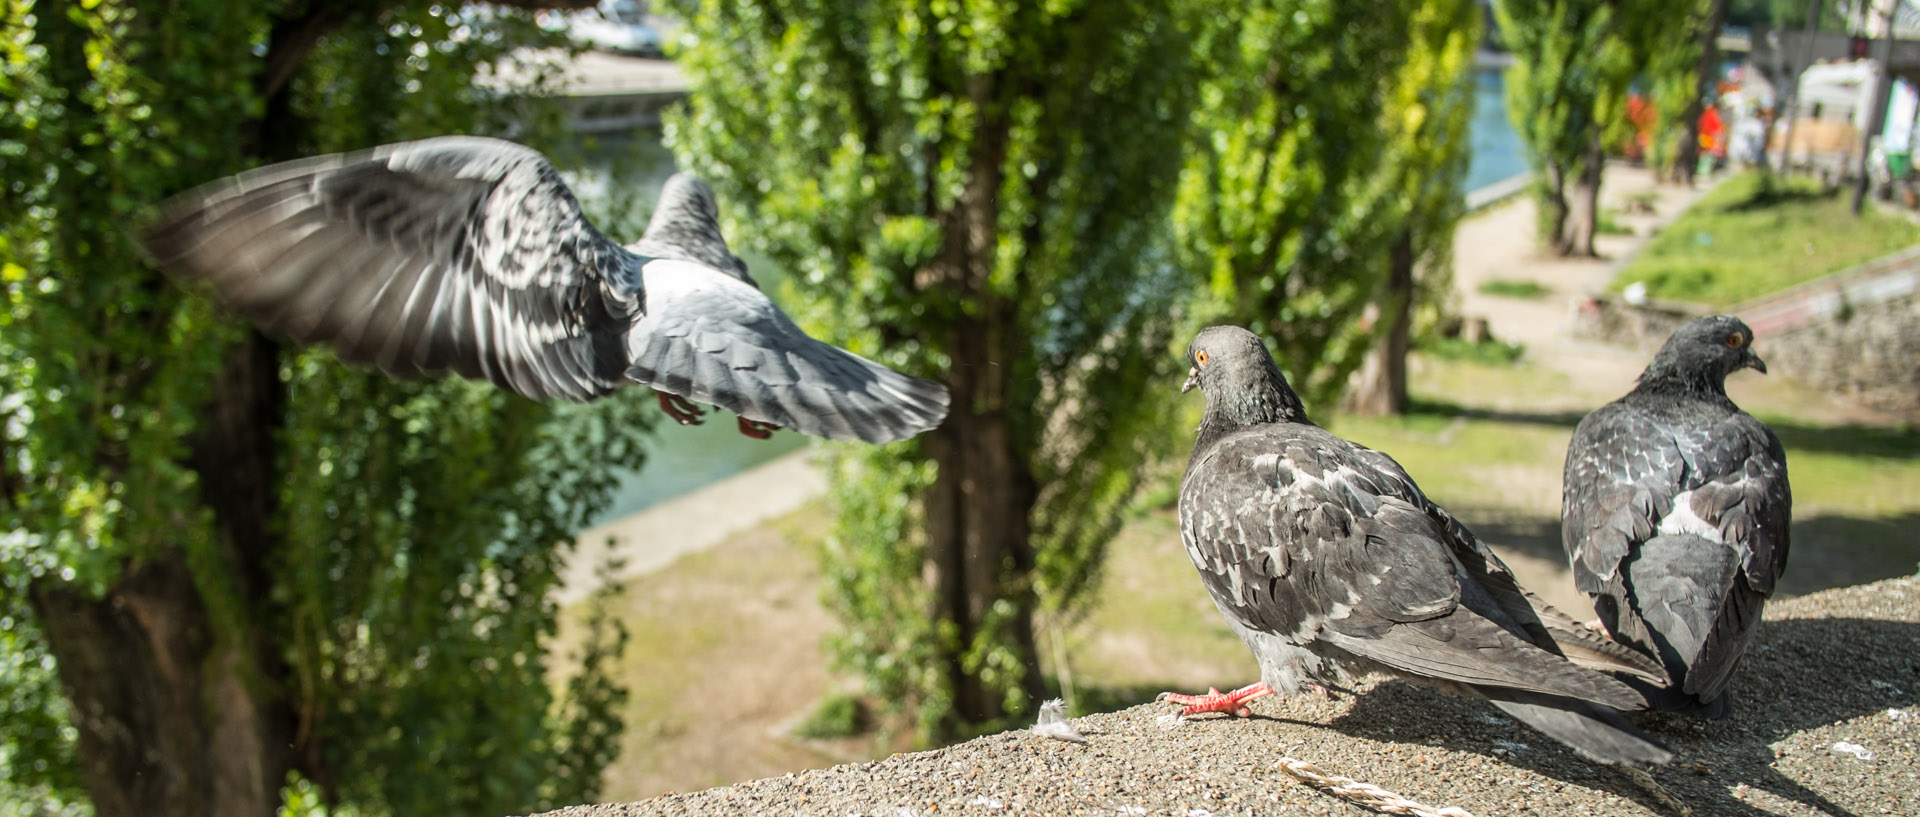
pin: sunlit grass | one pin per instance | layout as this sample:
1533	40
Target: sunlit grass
1752	236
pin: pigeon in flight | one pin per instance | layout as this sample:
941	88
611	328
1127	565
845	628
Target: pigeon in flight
1674	514
470	255
1326	559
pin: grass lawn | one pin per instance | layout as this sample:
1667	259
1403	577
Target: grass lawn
1750	237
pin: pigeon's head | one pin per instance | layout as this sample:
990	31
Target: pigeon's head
1706	350
1232	368
686	193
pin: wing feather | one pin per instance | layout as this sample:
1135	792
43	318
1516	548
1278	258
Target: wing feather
454	254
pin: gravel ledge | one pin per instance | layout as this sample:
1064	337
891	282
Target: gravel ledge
1838	666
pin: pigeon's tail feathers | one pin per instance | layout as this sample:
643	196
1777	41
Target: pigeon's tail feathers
1520	666
710	338
1664	698
1596	732
1696	613
1590	650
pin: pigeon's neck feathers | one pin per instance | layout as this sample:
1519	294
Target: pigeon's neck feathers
1249	395
1671	376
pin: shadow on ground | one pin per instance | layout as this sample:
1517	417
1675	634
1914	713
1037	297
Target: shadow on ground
1786	687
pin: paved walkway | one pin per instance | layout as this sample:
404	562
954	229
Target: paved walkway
651	539
1500	244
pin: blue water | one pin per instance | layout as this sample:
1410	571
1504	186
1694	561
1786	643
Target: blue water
1497	152
681	459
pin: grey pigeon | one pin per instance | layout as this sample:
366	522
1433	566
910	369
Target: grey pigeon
1326	559
470	256
1674	514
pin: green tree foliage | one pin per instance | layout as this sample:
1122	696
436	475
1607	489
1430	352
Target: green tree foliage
1279	205
1416	185
1572	65
347	577
974	189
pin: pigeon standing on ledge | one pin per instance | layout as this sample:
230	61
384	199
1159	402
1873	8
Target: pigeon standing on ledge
1326	559
1675	511
470	256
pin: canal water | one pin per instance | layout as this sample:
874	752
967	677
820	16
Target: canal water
627	172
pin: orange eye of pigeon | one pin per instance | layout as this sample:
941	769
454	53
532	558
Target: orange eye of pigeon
1200	357
1734	340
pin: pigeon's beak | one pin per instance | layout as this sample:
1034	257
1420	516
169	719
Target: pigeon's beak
1193	379
1755	363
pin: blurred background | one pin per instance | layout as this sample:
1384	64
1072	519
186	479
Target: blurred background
239	578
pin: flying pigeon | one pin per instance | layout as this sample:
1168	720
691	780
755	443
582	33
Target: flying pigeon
469	255
1326	559
1674	514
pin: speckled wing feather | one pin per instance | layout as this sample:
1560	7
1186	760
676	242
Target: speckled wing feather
456	254
1296	532
1677	522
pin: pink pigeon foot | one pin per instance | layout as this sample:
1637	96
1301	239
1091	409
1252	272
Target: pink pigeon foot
1233	703
679	408
756	429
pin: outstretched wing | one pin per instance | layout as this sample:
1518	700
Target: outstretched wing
456	254
717	339
1296	534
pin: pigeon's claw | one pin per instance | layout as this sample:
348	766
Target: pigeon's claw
756	429
682	410
1233	703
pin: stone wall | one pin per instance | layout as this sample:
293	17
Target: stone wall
1855	332
1613	319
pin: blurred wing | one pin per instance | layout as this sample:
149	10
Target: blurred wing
714	338
455	254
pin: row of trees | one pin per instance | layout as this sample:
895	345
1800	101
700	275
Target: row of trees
226	565
1576	61
1041	201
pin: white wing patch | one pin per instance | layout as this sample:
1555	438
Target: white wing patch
1681	520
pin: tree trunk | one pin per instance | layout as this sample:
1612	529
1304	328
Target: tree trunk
181	714
1382	386
1687	158
1552	204
1583	206
979	548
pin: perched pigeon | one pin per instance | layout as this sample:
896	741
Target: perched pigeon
1327	559
469	255
1674	514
